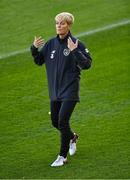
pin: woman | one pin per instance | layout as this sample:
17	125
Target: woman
64	57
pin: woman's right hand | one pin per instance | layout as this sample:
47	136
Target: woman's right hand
38	42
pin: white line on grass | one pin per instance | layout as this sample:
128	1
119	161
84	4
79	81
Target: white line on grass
22	51
108	27
86	33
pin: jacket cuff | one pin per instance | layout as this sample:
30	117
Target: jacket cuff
34	49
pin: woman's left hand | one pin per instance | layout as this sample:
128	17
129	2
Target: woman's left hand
71	45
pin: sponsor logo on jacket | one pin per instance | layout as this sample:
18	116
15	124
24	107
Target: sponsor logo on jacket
52	54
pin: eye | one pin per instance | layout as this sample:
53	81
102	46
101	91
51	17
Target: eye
62	23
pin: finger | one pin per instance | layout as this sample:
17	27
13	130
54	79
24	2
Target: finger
76	42
39	44
40	41
38	38
70	39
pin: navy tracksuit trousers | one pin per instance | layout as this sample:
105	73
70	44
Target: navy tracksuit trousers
60	115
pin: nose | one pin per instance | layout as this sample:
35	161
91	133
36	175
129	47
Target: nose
58	26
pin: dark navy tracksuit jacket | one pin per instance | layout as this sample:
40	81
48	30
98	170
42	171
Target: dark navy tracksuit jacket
63	67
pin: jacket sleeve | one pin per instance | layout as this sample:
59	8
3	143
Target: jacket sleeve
38	55
82	56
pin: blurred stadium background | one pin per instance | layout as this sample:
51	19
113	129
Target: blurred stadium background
28	143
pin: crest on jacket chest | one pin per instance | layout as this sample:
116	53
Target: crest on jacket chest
66	52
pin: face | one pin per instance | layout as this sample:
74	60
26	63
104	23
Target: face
62	27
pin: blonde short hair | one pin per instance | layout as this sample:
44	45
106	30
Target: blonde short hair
65	16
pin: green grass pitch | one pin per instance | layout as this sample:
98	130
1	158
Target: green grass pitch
28	142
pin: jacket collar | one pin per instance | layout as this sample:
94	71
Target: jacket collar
65	39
